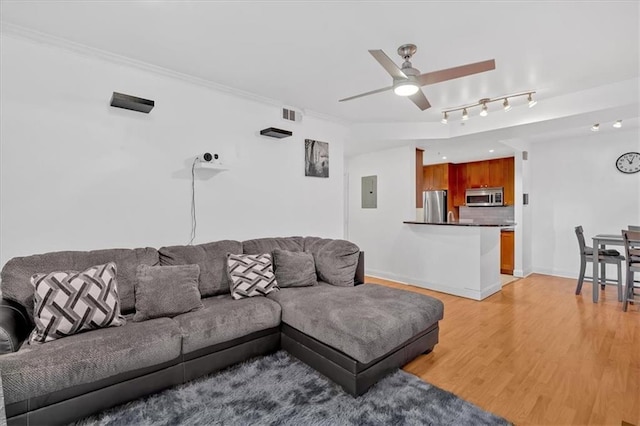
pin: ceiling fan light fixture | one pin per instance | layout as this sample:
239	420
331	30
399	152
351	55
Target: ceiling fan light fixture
532	102
506	105
617	124
485	110
445	118
405	88
595	127
465	114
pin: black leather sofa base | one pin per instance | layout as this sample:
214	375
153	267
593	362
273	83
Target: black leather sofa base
81	401
354	377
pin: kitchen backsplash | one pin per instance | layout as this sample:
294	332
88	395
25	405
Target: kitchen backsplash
487	213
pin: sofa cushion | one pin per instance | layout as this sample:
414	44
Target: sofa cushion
267	245
364	322
16	273
294	269
70	302
166	291
37	370
210	257
223	319
251	275
336	260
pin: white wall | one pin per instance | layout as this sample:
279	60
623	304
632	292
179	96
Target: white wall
575	182
77	174
379	232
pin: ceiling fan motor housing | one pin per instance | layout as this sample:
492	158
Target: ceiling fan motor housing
406	51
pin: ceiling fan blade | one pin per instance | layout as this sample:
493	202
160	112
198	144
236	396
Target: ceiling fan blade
388	64
456	72
366	94
420	100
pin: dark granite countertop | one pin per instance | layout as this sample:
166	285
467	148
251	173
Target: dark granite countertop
493	224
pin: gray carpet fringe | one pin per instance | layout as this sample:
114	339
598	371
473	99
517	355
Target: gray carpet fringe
280	390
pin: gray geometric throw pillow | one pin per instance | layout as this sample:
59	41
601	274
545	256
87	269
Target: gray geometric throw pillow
251	275
68	302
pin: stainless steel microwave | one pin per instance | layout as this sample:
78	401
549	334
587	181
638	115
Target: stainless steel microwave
484	197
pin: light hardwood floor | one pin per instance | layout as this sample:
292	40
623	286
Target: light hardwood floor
535	353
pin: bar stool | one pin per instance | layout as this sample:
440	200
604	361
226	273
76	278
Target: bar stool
632	250
605	256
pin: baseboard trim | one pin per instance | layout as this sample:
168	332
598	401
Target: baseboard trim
462	292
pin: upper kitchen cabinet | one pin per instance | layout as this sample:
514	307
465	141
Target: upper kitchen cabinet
477	174
436	177
456	178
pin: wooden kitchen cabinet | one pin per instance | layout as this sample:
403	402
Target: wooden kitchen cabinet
456	178
419	177
496	173
436	176
507	244
508	167
477	174
460	184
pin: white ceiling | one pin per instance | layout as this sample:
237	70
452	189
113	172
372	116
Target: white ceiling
310	54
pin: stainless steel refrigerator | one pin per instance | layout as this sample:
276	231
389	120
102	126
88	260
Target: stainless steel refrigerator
435	206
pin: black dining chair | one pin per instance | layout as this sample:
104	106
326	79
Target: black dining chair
605	256
632	251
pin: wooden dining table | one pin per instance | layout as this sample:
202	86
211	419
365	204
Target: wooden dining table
600	241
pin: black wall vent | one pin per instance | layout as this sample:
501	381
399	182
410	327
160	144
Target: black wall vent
120	100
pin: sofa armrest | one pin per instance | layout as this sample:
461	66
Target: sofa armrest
359	278
14	326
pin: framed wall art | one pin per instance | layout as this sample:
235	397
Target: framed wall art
316	158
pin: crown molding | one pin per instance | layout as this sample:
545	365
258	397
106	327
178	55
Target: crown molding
17	31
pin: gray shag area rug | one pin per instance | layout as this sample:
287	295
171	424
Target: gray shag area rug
280	390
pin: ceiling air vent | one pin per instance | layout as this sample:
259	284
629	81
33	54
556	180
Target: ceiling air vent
291	114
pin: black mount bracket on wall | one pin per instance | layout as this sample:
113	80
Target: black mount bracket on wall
120	100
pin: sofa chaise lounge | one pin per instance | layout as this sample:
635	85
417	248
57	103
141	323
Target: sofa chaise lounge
354	335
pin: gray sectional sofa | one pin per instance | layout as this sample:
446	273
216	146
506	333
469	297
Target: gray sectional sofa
352	334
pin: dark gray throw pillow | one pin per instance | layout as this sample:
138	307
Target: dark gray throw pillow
294	269
166	291
212	259
336	260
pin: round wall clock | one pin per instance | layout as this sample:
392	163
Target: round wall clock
629	162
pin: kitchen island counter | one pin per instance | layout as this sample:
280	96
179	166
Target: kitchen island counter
457	258
456	223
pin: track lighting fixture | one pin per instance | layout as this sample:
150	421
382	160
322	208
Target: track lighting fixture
617	124
484	103
595	127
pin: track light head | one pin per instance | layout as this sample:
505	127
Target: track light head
445	118
485	110
465	114
532	103
506	105
617	124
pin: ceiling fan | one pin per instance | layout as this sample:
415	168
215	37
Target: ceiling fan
408	80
